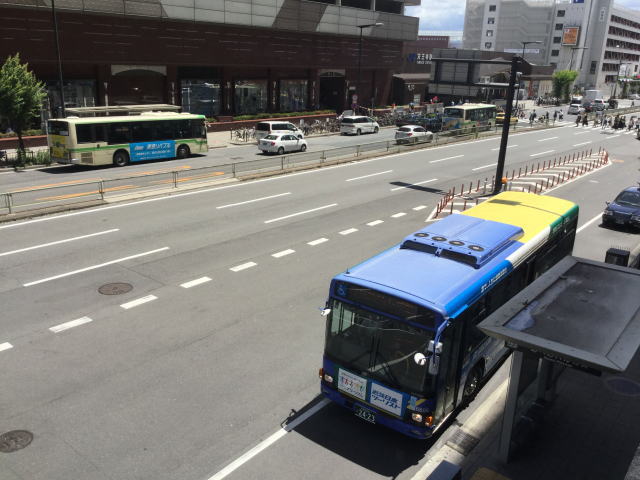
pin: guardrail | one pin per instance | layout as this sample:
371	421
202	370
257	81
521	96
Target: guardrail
100	190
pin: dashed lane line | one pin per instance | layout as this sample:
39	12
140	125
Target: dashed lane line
583	143
548	138
58	242
541	153
498	148
367	176
348	231
67	325
300	213
244	266
196	282
283	253
484	166
414	184
398	215
419	207
5	346
446	158
254	200
313	243
374	223
139	301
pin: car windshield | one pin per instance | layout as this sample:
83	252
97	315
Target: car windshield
378	346
272	137
405	129
629	198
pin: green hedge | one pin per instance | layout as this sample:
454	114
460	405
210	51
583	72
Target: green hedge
282	115
26	133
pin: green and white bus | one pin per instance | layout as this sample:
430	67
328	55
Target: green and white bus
120	140
468	116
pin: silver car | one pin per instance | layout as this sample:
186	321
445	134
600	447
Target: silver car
413	134
279	143
358	124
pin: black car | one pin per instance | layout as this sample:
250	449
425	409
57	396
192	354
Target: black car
624	210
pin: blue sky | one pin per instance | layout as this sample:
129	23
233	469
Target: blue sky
449	14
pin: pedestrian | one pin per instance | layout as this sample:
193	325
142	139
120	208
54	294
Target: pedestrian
578	119
555	116
532	117
585	120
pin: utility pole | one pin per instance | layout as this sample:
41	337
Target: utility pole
506	124
60	81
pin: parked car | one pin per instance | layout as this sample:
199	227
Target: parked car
624	210
277	127
634	96
357	124
278	143
413	134
575	109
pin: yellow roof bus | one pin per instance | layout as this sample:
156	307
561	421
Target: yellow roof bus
120	140
469	115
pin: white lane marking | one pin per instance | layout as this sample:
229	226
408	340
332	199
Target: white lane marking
580	133
597	217
58	242
251	183
5	346
244	266
508	146
283	253
300	213
367	176
398	215
348	231
267	442
313	243
613	136
374	223
484	166
545	139
583	143
254	200
541	153
594	181
139	301
446	158
197	281
93	267
71	324
412	184
419	207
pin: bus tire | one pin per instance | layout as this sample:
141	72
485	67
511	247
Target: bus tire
472	384
121	158
183	151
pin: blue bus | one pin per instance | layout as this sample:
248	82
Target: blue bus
402	347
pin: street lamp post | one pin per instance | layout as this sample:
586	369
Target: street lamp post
55	30
361	27
524	44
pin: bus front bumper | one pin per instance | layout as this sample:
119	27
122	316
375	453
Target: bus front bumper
411	430
66	161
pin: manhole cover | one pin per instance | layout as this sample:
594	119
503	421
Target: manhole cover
15	440
115	288
462	442
623	386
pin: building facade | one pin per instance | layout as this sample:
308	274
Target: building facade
214	57
595	37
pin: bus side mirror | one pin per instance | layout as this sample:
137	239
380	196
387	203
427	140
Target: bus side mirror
434	360
325	311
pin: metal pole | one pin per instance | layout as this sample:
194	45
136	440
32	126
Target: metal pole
359	65
505	126
60	81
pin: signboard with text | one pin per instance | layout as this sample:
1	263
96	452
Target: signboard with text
570	35
152	150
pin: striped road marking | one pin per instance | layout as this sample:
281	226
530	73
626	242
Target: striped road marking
139	301
197	281
313	243
244	266
283	253
73	323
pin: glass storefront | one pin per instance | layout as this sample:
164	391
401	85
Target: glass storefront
77	93
293	95
250	96
201	97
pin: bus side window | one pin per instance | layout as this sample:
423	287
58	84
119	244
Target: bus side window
196	128
472	317
84	133
119	133
183	129
164	130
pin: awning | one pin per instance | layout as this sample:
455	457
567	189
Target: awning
413	77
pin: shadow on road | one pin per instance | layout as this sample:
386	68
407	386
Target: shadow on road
417	187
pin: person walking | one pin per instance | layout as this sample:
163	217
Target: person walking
585	120
555	116
578	119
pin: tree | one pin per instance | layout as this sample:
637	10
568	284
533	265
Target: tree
562	81
21	96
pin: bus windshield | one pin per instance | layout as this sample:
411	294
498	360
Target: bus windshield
378	345
453	112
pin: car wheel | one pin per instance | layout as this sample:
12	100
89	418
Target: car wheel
358	132
472	384
303	148
281	151
376	130
120	158
183	151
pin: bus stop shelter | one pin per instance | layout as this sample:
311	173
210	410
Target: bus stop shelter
580	314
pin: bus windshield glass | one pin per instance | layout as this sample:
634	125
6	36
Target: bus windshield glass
378	345
453	112
57	127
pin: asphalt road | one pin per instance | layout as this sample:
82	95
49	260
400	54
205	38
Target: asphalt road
220	339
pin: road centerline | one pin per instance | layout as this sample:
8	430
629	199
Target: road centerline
484	166
58	242
301	213
446	158
367	176
548	138
541	153
254	200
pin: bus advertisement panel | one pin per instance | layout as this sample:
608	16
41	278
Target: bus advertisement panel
402	347
119	140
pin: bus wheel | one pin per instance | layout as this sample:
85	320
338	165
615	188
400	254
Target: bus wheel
472	384
183	151
120	158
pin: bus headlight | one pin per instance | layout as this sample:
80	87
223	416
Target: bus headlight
416	417
328	378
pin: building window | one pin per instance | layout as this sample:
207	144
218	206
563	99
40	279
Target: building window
491	20
559	26
492	8
250	96
557	39
489	33
487	44
555	53
593	68
200	96
293	95
554	65
561	13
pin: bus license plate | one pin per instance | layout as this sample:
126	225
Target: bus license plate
365	414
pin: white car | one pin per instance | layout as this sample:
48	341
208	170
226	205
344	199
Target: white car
279	143
413	134
634	96
575	109
358	124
